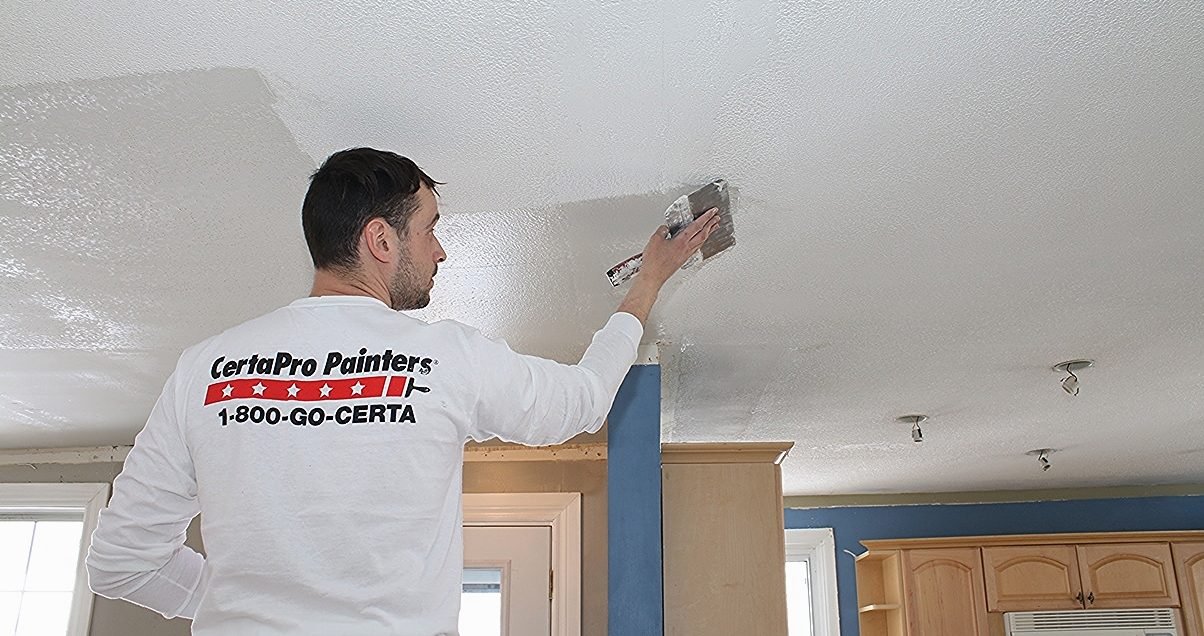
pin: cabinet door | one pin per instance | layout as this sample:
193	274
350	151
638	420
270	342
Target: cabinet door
945	595
1032	577
1189	564
1122	575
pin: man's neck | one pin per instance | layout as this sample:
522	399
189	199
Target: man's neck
328	283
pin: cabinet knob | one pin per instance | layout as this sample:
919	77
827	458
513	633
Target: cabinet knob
1090	598
1079	598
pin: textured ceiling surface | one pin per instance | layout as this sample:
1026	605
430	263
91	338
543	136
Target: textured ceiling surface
936	202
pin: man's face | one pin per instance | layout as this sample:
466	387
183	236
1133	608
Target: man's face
421	253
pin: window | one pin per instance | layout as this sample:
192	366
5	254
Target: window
45	530
811	605
481	602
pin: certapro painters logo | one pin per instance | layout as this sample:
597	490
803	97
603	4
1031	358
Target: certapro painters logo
285	378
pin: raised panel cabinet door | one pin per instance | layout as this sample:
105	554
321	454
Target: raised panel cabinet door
1189	565
1119	575
1032	577
944	590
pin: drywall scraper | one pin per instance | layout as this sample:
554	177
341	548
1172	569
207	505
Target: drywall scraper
680	214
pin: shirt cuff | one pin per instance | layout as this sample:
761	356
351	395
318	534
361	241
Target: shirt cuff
628	325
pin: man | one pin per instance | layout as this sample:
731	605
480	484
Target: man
323	442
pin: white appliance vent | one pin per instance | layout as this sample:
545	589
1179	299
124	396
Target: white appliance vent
1090	620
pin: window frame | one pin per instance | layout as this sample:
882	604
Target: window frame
817	546
87	498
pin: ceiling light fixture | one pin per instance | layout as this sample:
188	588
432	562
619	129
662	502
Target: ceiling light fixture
1070	383
917	435
1042	457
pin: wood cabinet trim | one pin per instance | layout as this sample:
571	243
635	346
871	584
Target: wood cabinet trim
1186	556
725	453
1036	539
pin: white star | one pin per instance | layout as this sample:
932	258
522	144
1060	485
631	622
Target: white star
258	388
357	388
325	390
293	390
227	391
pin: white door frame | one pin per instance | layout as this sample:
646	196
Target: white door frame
562	512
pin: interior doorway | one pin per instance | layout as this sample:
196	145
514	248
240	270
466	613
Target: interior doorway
522	558
507	588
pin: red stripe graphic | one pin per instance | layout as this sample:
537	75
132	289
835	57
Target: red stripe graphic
397	386
305	390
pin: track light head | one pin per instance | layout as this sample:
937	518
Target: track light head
917	434
1042	455
1070	383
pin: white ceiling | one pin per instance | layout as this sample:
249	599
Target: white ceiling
936	201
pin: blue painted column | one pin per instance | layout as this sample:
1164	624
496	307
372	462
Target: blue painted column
633	476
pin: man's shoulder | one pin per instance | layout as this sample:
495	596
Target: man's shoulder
450	328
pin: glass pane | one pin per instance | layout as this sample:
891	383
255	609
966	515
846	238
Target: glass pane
44	614
55	555
10	604
15	537
798	598
481	602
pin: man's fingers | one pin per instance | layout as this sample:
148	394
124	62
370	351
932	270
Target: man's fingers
708	229
700	224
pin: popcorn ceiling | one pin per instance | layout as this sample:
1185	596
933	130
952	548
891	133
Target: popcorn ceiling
938	202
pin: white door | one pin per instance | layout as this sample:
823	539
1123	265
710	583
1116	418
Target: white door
507	577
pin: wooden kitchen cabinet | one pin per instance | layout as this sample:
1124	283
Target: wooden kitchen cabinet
944	590
1095	576
1029	578
963	585
1128	575
1189	567
724	541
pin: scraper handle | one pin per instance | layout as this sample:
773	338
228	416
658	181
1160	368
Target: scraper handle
624	271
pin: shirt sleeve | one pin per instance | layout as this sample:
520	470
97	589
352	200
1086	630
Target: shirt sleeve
137	551
535	401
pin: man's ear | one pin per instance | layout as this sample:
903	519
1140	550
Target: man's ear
380	240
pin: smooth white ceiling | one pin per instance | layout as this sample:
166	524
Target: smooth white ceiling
937	201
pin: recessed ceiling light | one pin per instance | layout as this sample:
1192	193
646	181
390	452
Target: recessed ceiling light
1070	383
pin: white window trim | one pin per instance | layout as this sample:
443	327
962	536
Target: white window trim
561	511
88	498
818	547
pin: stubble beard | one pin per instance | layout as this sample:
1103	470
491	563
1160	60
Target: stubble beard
406	290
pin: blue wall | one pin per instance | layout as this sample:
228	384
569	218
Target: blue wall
633	486
854	524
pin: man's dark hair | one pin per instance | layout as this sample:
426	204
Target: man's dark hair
351	188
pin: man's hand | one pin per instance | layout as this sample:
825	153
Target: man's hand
662	257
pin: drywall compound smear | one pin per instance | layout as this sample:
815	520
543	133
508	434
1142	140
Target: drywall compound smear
138	215
113	218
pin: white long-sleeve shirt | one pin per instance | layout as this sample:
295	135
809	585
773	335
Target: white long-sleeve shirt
322	445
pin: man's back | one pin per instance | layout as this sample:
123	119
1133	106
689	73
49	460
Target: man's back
324	442
345	505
